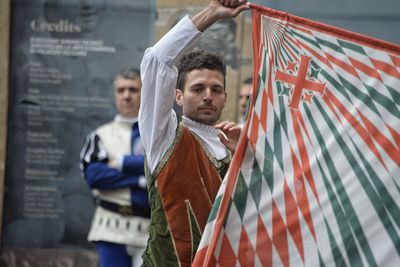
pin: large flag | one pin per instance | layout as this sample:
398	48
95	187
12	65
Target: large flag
315	180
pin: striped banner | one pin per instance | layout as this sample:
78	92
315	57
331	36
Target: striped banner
315	180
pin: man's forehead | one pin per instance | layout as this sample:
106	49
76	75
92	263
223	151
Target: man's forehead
204	75
123	82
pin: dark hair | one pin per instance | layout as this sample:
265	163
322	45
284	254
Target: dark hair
199	59
129	73
248	80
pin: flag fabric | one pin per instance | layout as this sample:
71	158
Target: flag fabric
315	180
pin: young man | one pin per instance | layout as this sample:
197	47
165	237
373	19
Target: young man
186	162
112	161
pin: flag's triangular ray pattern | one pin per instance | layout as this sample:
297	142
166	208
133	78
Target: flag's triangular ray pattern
315	178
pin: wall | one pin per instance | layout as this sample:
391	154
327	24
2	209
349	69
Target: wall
4	47
61	68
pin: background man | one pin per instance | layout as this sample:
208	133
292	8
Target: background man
187	161
113	165
245	92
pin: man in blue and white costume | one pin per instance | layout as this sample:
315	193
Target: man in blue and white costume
112	161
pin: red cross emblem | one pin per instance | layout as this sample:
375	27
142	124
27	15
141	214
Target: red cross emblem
300	81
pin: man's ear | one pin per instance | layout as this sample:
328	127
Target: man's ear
179	97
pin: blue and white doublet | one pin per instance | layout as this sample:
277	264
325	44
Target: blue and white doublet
122	212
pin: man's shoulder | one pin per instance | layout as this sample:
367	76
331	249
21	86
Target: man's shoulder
105	127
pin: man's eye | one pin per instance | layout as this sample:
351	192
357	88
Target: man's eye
133	89
218	90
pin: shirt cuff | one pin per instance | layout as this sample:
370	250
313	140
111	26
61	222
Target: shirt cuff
120	163
142	182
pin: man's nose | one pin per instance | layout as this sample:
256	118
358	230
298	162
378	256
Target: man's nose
126	93
207	94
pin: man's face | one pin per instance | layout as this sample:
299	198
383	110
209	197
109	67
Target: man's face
245	92
127	96
203	97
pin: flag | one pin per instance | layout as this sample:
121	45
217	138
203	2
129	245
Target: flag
315	180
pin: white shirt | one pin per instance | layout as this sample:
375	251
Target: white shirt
157	119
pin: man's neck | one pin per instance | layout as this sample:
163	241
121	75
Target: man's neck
121	118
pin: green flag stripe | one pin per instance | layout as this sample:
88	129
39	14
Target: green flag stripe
282	111
307	39
339	49
349	217
345	84
277	133
361	177
259	89
288	47
353	47
336	85
284	39
290	44
285	52
372	194
215	208
366	99
397	187
255	183
380	187
261	77
337	255
395	95
319	42
268	165
276	48
321	262
383	100
329	44
240	195
228	211
384	204
340	89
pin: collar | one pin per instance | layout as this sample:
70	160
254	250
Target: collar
200	127
120	118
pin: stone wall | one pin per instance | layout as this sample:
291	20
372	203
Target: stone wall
4	48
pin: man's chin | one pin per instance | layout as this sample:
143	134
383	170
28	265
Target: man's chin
129	114
208	120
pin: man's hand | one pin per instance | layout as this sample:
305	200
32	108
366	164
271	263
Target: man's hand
113	163
229	134
232	3
229	8
216	10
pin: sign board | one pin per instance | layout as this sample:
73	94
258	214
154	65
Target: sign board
63	58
